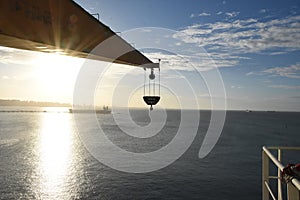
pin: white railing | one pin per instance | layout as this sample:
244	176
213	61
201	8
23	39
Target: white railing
293	187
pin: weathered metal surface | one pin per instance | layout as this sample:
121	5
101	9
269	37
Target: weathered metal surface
62	25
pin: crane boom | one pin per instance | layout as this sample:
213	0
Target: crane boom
62	25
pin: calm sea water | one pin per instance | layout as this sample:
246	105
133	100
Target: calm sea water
42	157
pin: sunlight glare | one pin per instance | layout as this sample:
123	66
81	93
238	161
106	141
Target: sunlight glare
55	153
56	75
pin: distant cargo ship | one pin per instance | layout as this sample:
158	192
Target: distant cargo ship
105	110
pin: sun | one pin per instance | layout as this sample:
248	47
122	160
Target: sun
56	75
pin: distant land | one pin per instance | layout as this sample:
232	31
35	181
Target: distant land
13	102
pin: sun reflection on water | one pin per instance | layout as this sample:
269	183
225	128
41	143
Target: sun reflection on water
55	151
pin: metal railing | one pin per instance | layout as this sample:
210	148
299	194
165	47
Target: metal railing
293	187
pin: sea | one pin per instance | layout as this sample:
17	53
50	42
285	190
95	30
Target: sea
42	156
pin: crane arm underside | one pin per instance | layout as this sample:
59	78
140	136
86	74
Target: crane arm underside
62	25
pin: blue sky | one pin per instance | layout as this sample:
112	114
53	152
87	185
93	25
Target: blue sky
254	44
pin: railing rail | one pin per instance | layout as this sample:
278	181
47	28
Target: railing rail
293	187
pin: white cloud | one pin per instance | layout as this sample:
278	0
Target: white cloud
200	61
250	73
219	13
228	41
287	87
242	36
277	53
292	71
204	14
16	56
9	77
232	14
263	10
236	87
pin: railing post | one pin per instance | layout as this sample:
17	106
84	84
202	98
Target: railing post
279	187
265	175
292	192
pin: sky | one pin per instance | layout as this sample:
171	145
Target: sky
253	45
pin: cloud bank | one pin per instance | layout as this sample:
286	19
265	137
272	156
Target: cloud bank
233	39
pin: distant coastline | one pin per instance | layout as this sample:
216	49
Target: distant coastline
14	102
